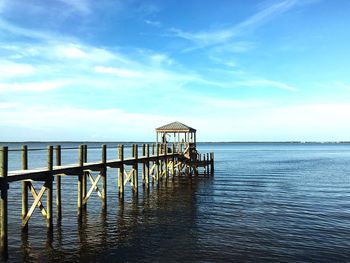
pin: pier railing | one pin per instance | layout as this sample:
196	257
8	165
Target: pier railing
158	162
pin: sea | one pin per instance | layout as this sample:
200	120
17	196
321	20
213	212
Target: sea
265	202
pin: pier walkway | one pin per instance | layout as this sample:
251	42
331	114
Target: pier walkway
158	162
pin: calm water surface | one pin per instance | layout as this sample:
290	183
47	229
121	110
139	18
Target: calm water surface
266	202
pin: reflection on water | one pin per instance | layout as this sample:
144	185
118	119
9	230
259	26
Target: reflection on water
266	202
144	226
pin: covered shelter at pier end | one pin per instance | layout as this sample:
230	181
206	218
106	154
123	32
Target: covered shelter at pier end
176	132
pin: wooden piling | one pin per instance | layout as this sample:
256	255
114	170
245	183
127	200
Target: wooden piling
121	171
24	187
143	164
177	158
80	182
104	176
147	165
49	188
157	164
3	203
84	177
153	163
160	160
166	161
135	167
207	163
173	160
58	184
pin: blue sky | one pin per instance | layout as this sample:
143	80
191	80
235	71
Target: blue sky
235	70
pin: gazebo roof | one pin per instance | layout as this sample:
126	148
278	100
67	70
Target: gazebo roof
175	127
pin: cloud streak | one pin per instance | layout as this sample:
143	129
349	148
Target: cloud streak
81	6
32	86
9	69
265	83
213	37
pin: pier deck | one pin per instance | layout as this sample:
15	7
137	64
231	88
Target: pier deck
164	163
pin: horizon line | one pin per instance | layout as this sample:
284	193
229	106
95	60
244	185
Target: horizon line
83	141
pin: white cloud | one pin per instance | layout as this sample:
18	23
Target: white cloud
205	37
82	52
108	124
153	23
11	69
30	33
212	37
160	59
268	12
267	84
119	72
8	105
82	6
304	122
70	51
342	85
32	86
234	120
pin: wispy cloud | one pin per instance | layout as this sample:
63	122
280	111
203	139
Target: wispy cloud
265	83
8	105
153	23
119	72
212	37
32	86
267	13
122	124
82	6
9	69
342	85
83	52
30	33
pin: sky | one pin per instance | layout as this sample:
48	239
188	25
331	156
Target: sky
113	70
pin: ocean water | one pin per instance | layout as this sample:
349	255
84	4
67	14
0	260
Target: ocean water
265	203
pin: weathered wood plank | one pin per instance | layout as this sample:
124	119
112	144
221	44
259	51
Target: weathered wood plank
34	205
58	184
24	186
49	187
104	176
121	171
3	203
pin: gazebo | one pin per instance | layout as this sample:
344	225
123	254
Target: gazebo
176	132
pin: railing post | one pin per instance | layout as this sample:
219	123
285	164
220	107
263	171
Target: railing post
157	164
49	187
58	184
104	176
160	162
154	169
143	164
3	203
135	166
80	182
121	171
24	187
173	160
147	165
84	178
166	161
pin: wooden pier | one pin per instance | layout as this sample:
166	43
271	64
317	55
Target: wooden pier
158	162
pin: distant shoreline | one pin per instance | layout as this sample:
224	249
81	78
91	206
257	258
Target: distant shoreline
215	142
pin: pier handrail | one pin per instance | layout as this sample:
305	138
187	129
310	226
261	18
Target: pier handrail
163	161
